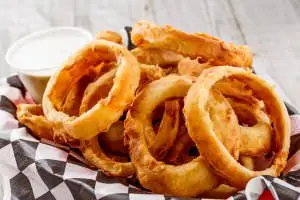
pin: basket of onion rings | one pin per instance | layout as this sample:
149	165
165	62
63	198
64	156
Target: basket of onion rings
180	114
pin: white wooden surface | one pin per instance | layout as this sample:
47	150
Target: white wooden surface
270	27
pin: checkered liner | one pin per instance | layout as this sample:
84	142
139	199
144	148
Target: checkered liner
32	169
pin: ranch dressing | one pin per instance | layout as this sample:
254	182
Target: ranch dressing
37	56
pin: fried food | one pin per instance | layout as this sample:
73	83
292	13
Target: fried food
100	88
152	56
256	133
112	162
166	112
73	100
212	149
113	139
187	179
167	131
97	90
247	162
109	36
221	192
107	111
191	67
222	115
94	154
32	116
148	35
149	73
179	151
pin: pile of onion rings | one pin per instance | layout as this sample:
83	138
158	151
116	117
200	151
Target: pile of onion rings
182	113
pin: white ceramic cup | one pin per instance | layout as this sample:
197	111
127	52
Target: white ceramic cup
38	55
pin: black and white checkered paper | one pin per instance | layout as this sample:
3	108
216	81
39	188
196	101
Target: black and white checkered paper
32	169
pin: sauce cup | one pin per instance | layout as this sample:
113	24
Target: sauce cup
38	55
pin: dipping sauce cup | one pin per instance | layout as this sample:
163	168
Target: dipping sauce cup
38	55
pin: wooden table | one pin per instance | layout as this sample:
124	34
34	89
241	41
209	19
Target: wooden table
270	27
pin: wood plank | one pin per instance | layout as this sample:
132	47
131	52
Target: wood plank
211	16
113	15
271	30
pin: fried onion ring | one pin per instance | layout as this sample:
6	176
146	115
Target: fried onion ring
190	179
101	87
191	67
109	36
155	175
107	111
178	152
114	138
93	153
203	134
97	90
256	139
73	99
167	131
221	192
148	35
153	56
149	73
32	116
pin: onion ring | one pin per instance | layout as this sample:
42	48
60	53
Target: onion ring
167	131
190	179
91	149
93	153
177	153
191	67
73	99
222	115
114	139
201	130
221	192
32	116
153	56
97	90
120	96
247	162
109	36
149	73
148	35
256	139
101	87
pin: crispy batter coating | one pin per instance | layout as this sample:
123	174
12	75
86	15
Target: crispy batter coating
106	111
148	35
220	160
152	56
32	116
109	36
167	112
187	179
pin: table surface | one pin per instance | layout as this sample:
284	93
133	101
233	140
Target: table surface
270	27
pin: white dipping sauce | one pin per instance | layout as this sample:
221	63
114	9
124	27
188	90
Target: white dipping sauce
38	55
